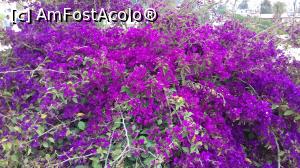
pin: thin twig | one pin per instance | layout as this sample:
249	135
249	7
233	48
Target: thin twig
76	158
25	70
125	151
51	129
109	148
278	151
127	147
146	152
126	131
252	88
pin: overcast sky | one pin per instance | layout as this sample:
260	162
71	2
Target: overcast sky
255	3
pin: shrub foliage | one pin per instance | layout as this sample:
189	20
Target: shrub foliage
169	94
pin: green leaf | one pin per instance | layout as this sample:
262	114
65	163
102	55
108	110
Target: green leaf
297	117
115	153
144	138
50	139
15	158
29	152
7	94
176	142
159	122
288	112
28	96
48	156
7	146
45	144
20	117
145	155
133	127
69	82
194	148
251	136
185	149
148	161
117	124
185	134
187	115
84	61
75	100
179	104
40	130
173	89
284	106
81	166
81	125
18	129
96	162
125	89
101	151
274	106
144	131
150	144
281	153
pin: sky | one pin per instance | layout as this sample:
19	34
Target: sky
255	3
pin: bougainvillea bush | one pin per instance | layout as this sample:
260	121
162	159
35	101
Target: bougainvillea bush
166	94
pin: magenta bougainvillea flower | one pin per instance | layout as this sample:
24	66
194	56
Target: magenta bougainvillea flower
202	96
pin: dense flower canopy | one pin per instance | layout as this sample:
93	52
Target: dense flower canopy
178	95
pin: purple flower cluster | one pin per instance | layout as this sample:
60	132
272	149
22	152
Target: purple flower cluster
201	96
